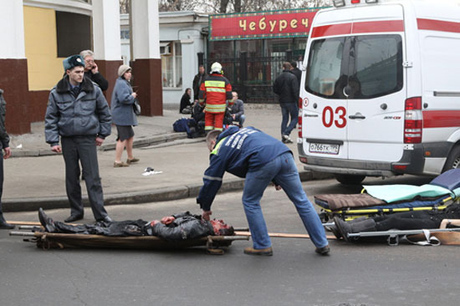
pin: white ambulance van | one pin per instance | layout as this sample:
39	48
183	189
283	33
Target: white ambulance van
380	95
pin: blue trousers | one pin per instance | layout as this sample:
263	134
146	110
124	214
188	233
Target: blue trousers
283	171
289	110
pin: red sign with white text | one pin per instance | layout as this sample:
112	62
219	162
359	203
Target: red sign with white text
272	24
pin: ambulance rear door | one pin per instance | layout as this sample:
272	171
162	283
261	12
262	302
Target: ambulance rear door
354	99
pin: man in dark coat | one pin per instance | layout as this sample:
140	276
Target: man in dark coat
5	145
296	71
197	80
286	86
92	71
175	227
78	116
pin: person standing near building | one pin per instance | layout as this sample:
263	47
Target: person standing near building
92	71
216	92
296	71
5	145
286	86
123	116
78	115
197	80
261	159
237	109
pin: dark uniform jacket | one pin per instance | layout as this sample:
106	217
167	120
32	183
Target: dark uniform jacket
4	137
86	115
237	152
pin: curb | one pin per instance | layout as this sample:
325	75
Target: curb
138	142
140	197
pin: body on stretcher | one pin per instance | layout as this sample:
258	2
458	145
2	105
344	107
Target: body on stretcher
380	200
46	240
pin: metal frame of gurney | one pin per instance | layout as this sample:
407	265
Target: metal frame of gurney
446	236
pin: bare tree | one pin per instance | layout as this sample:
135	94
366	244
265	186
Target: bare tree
238	6
124	6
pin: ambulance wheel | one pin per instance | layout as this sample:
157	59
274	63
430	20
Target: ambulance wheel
453	161
349	179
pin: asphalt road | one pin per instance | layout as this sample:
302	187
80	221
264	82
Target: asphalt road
354	274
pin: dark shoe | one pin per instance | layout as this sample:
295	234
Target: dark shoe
343	228
5	225
73	218
133	160
120	165
324	251
46	221
262	252
335	231
106	219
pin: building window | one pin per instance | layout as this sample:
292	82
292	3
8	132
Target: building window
73	33
171	64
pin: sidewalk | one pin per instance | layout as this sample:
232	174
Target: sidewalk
34	176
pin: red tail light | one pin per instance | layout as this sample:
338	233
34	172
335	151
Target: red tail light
399	168
355	1
299	123
413	120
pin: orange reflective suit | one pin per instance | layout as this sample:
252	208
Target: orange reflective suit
215	91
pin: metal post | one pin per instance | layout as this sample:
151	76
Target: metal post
243	75
289	55
200	59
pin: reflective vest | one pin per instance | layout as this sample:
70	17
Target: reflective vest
215	91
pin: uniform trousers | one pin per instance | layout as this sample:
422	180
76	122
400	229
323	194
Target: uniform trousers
83	149
2	219
214	121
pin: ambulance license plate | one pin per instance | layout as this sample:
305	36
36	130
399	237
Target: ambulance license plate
324	148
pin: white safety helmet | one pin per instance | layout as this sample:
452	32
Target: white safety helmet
216	67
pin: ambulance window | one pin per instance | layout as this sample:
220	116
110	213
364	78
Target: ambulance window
324	66
377	66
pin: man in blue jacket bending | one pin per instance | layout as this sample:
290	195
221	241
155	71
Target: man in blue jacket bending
261	159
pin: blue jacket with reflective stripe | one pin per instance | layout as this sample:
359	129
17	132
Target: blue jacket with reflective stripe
237	152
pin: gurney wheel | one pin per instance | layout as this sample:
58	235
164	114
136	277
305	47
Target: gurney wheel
212	247
215	251
323	217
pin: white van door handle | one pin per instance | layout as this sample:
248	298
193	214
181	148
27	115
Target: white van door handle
357	116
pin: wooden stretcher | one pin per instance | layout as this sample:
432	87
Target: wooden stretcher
214	244
45	240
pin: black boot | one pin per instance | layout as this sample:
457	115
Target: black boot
46	221
367	225
4	224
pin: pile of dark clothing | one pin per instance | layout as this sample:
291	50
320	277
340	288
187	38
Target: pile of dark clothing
197	126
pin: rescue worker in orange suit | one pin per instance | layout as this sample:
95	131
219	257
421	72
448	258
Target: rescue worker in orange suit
216	91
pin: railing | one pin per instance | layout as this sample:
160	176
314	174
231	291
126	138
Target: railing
252	77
